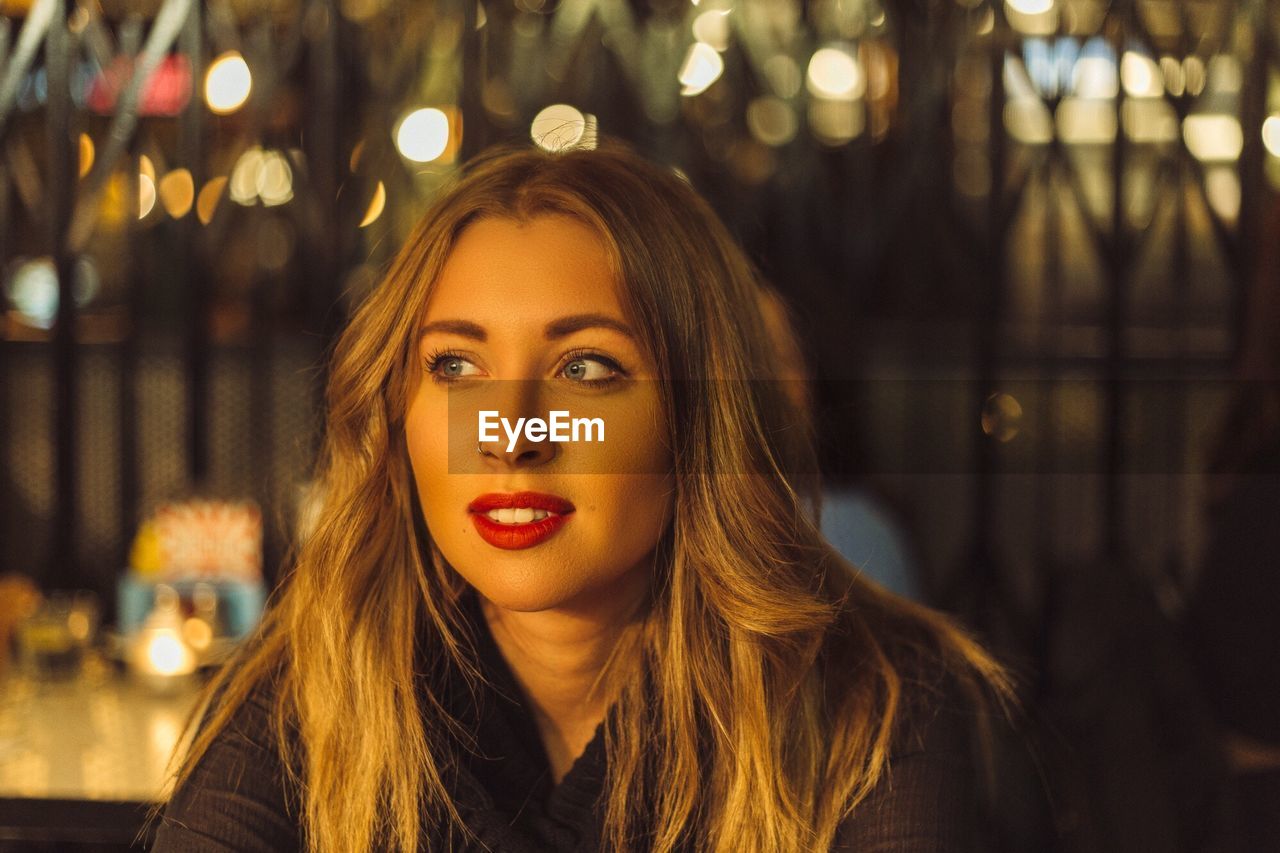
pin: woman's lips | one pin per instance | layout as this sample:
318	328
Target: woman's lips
516	520
513	500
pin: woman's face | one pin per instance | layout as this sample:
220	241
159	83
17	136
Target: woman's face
524	320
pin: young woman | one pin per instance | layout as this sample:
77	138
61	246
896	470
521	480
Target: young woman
499	641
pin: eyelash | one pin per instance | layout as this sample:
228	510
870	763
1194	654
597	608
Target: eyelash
434	359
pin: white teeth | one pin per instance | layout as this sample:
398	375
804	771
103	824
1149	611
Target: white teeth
521	515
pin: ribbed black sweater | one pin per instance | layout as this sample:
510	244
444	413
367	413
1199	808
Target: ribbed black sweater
237	798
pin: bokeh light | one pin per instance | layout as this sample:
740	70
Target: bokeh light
1174	78
1086	122
1095	74
146	194
167	654
1028	121
274	179
1032	17
1193	74
197	633
227	83
702	67
423	135
712	27
1213	137
1141	76
261	176
1222	189
86	154
835	122
177	192
375	206
244	176
1150	120
771	120
834	73
1002	417
1271	135
207	201
32	288
558	127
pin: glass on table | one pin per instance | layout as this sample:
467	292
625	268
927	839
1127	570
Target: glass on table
51	642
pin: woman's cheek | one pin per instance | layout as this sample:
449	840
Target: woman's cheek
633	444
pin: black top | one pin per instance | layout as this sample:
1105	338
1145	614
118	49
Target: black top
236	798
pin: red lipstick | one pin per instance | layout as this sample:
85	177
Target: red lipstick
513	536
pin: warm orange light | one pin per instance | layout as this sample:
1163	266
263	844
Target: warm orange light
86	154
177	192
207	201
375	206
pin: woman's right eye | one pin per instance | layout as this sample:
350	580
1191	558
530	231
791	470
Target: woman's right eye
446	367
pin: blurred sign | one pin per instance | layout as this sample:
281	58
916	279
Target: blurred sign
213	540
165	93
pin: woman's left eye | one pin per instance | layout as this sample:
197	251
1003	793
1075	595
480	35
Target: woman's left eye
591	369
449	366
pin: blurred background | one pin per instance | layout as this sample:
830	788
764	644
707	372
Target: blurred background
1030	245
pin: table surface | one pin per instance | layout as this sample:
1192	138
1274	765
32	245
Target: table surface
99	736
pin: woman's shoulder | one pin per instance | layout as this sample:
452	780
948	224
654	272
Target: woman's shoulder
939	706
237	795
943	685
925	798
927	795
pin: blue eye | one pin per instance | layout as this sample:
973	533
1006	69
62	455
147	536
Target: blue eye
448	366
593	370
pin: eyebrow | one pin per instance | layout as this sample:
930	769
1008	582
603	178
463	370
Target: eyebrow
554	330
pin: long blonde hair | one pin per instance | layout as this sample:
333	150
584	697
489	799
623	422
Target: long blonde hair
770	683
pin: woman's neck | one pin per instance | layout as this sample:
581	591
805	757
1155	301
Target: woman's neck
558	657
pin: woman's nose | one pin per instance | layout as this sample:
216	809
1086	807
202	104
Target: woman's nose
513	443
525	452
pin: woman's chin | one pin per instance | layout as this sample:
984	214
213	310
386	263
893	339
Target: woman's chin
523	594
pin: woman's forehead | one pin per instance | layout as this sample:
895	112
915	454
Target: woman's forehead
511	272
